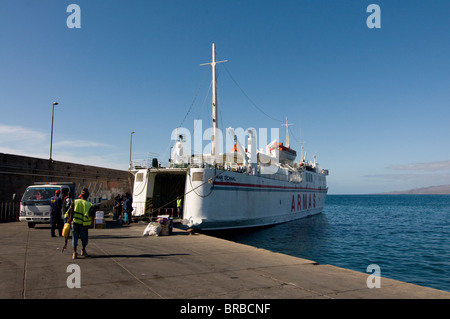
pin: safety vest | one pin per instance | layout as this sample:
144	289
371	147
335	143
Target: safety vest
81	212
179	202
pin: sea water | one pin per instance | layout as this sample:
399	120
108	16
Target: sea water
407	236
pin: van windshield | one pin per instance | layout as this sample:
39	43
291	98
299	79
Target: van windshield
39	193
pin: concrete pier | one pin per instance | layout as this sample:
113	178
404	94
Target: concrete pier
124	264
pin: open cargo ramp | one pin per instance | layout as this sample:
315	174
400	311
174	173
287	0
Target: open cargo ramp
156	190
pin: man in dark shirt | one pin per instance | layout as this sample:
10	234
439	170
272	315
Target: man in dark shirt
128	208
56	214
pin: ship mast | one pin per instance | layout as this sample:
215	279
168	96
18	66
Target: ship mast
214	141
287	131
301	143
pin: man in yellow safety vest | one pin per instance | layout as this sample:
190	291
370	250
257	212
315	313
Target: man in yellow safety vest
80	213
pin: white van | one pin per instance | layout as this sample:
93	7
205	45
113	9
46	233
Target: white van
35	203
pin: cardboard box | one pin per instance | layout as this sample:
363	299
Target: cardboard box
166	223
100	215
99	226
99	221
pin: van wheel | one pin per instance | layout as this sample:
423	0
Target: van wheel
31	225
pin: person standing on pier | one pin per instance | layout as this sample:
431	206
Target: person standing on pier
179	206
56	214
67	201
128	208
117	208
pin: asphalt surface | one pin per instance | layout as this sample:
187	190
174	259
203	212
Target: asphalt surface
124	264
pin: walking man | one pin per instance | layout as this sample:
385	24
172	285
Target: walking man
80	212
67	201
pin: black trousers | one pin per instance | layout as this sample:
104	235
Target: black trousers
56	222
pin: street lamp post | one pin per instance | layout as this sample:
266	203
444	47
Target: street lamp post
131	142
51	135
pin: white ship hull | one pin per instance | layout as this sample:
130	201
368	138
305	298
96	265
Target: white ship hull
236	200
219	199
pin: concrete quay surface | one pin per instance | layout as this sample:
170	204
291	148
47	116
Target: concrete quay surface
124	264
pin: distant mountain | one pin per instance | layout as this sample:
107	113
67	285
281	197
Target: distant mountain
436	190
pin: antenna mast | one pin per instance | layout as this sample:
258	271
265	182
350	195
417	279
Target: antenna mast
287	131
301	143
214	141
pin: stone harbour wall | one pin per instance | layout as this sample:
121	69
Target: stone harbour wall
18	172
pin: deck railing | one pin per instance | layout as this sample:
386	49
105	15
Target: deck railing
172	212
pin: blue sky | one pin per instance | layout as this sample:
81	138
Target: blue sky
373	104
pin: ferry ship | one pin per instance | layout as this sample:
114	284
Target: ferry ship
243	188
